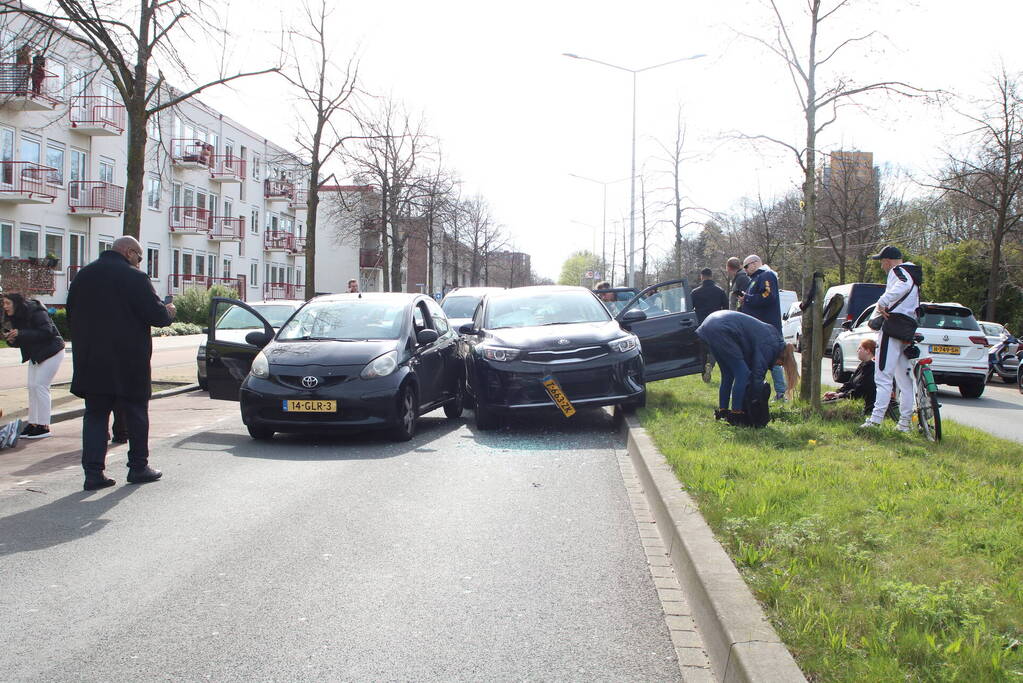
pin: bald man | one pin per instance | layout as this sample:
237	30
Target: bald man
111	305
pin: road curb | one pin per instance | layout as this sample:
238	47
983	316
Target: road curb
78	412
740	642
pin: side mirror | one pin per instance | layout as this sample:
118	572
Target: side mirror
847	325
632	316
466	328
257	338
205	330
424	337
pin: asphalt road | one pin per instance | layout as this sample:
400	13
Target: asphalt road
457	556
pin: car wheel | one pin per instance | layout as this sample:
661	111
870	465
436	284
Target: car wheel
202	382
453	408
838	373
260	433
408	414
972	389
486	419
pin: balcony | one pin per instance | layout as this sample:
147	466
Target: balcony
371	258
278	190
27	88
95	199
300	200
277	240
179	283
227	229
26	182
283	290
27	276
297	246
189	153
227	168
94	115
190	220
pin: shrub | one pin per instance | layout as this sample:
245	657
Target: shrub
60	320
194	304
186	328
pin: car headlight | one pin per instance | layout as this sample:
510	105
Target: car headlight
499	354
623	344
260	366
381	366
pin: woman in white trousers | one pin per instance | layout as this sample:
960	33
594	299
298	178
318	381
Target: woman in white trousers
28	327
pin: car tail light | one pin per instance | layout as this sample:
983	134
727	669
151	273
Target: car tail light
925	361
849	317
980	341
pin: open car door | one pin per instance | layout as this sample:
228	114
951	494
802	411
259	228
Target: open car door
228	355
663	318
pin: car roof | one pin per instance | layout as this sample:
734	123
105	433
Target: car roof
472	291
370	296
277	302
539	289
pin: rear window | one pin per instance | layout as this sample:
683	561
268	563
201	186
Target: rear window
460	306
948	319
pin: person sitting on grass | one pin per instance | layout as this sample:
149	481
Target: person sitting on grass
861	385
745	348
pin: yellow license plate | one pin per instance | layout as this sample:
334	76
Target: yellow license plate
310	406
937	348
558	396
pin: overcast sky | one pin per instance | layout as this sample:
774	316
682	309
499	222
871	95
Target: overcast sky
516	118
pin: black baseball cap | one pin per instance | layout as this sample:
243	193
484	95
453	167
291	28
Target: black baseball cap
888	252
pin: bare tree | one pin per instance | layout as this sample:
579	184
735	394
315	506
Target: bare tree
804	65
130	41
676	156
435	189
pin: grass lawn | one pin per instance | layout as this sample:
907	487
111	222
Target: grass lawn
877	556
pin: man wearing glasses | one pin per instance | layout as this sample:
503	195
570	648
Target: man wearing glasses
111	305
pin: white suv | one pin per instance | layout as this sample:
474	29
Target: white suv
952	338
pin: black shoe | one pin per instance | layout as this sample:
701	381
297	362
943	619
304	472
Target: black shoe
94	483
36	432
25	427
144	475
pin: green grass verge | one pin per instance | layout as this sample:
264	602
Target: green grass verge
877	556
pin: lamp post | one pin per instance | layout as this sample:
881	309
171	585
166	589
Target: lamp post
603	219
631	261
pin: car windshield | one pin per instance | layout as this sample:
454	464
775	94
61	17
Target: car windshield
238	318
349	319
949	319
991	330
460	306
554	308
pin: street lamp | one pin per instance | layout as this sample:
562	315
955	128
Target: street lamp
631	262
603	220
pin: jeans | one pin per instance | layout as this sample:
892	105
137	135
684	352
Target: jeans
778	377
96	421
735	375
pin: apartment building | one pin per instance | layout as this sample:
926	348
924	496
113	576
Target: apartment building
223	205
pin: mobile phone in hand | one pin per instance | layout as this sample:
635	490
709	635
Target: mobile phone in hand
169	299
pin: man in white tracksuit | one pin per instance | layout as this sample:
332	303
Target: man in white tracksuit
901	295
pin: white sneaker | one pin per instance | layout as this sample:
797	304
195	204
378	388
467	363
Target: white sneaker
870	425
903	427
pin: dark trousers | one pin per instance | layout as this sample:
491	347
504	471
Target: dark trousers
96	422
120	427
735	378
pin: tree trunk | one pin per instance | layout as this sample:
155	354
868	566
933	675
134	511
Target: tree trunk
994	276
312	206
135	182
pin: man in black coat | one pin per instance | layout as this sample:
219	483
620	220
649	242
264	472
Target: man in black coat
707	298
740	282
111	305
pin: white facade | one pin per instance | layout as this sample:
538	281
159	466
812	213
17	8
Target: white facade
222	205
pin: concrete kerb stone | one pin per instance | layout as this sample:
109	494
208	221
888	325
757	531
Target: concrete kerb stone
741	644
78	412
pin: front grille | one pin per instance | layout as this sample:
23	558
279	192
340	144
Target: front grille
295	381
578	355
583	384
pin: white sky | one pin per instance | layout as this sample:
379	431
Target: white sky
515	118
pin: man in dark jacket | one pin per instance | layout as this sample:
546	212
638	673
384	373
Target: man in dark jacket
707	298
740	282
761	301
111	305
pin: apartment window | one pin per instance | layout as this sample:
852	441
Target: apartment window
59	79
28	242
29	149
76	249
211	265
154	128
153	262
153	192
55	247
227	267
79	81
241	188
255	166
253	274
6	240
200	264
106	243
298	276
55	160
107	90
186	263
106	170
254	221
7	154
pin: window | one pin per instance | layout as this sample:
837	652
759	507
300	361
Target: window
55	248
79	81
227	267
6	240
105	243
298	276
154	128
28	242
211	265
255	166
253	274
59	79
153	192
7	154
77	173
254	221
55	160
186	264
153	262
440	321
29	149
106	170
241	187
200	264
76	250
107	90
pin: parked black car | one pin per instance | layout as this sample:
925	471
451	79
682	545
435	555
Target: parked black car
545	348
341	362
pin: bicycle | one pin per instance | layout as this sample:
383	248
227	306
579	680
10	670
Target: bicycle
927	410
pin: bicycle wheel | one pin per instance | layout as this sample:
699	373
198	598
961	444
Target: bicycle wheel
927	415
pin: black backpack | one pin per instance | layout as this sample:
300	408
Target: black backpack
757	403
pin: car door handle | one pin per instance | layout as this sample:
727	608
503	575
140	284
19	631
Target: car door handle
686	323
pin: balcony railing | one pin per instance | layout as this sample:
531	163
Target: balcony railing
191	153
94	198
297	245
227	168
190	220
278	189
300	201
178	283
277	240
33	87
227	228
26	276
283	290
370	258
95	115
26	182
